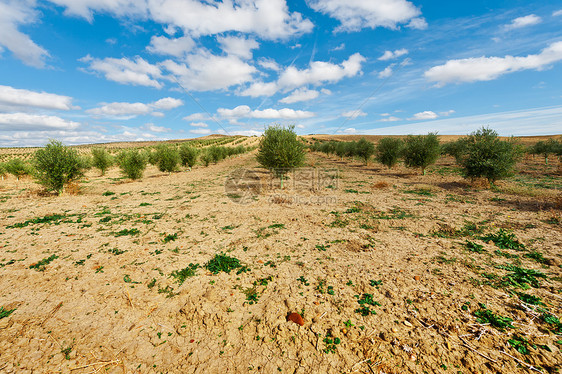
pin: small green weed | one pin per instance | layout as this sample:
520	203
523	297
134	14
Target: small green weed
125	232
4	313
303	280
170	237
42	264
474	247
504	240
183	274
222	262
365	301
521	277
485	315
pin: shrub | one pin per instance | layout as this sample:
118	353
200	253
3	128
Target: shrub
18	168
3	170
151	156
101	159
280	150
421	151
188	155
168	158
485	155
206	158
545	148
364	149
132	163
56	165
454	149
388	151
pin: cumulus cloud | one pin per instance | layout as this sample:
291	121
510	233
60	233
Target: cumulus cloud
489	68
260	89
152	127
13	14
244	111
390	55
198	124
137	72
167	103
200	131
425	115
390	119
269	64
301	94
519	22
20	98
124	110
354	114
196	117
176	47
204	71
270	19
238	46
357	14
321	72
387	72
557	13
32	122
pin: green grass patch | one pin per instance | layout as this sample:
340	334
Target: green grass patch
42	264
222	262
183	274
504	240
485	315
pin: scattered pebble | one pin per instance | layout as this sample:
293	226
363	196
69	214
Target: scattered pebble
296	318
407	323
417	278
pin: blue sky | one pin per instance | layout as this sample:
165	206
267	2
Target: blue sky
88	71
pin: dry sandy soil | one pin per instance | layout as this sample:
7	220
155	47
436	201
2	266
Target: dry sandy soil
375	262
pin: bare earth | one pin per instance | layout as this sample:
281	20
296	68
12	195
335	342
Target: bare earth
395	235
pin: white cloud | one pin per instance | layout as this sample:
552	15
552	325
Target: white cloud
260	89
557	13
13	14
538	121
167	103
207	72
238	46
300	94
390	119
390	55
269	64
519	22
489	68
354	114
152	127
270	19
138	72
196	117
124	110
357	14
177	47
425	115
157	114
321	72
15	97
417	24
198	124
244	111
387	72
200	131
339	47
32	122
349	131
447	113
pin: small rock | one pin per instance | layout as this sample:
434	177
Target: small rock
407	323
296	318
417	278
394	330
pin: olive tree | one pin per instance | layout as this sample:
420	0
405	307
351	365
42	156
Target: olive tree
486	155
388	151
545	148
57	165
101	159
167	158
420	151
364	149
280	150
188	155
132	163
